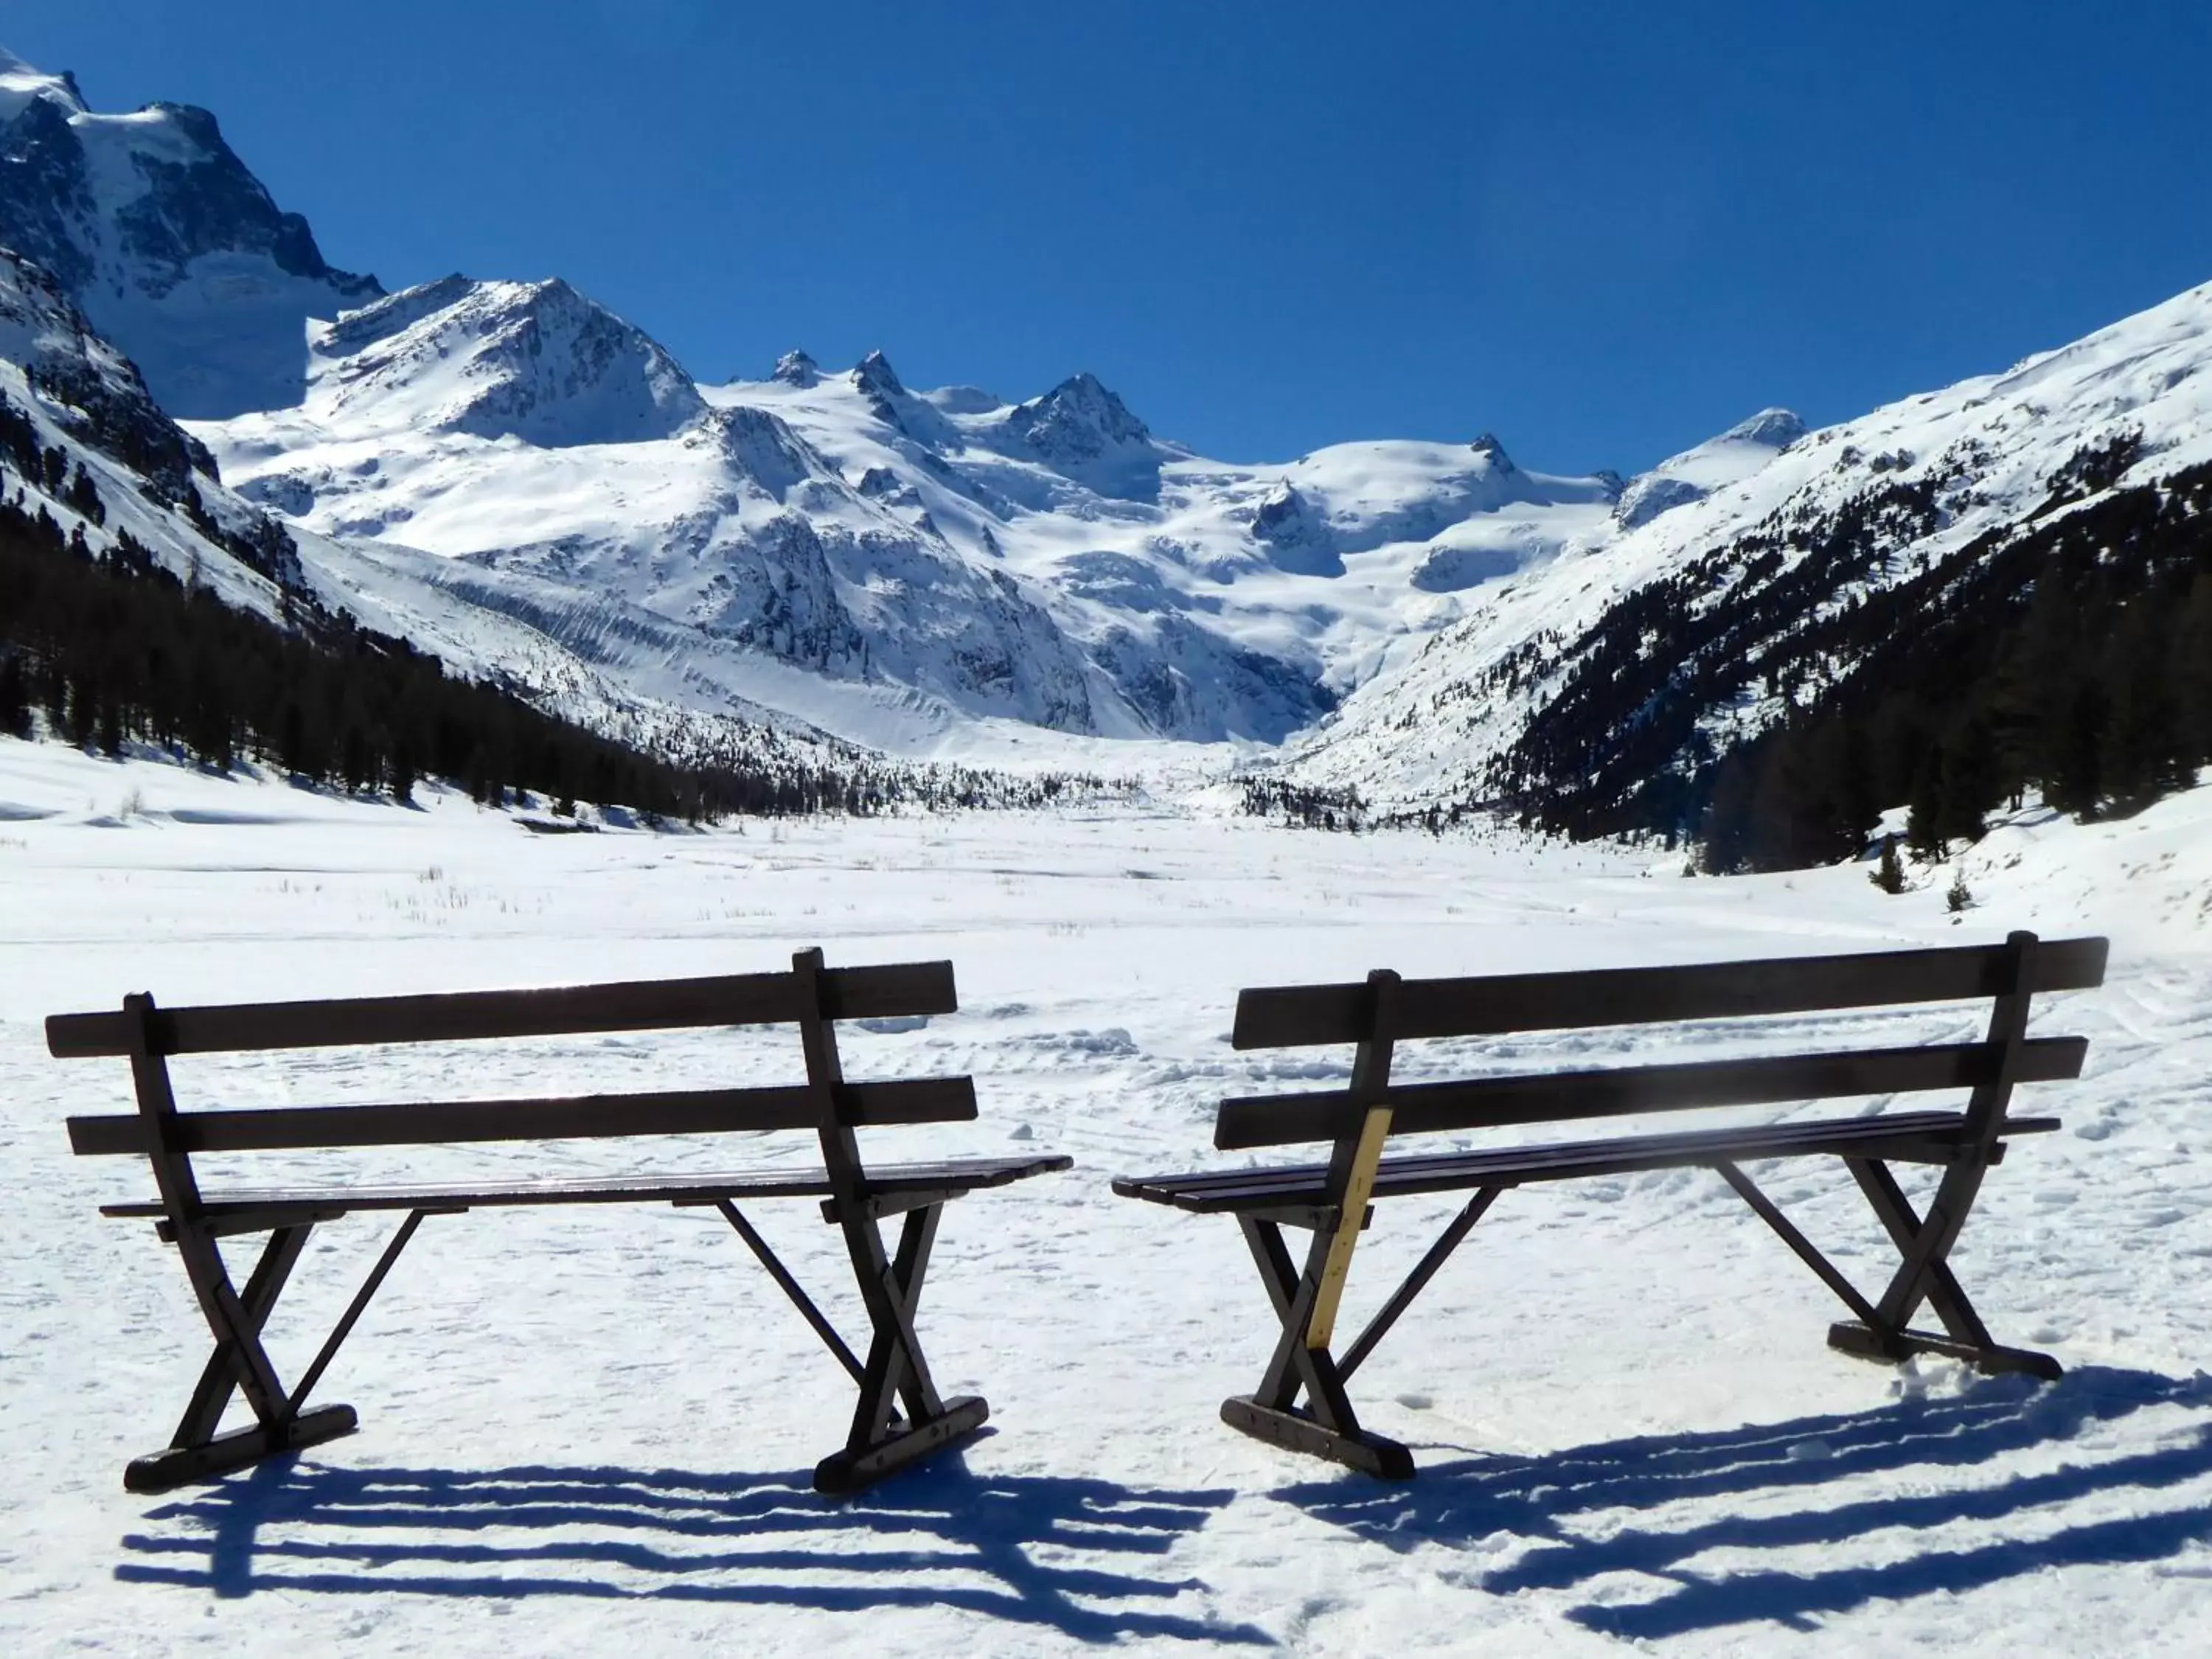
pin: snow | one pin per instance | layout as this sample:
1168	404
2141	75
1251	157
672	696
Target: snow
590	1432
43	340
940	572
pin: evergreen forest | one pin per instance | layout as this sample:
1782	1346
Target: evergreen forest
2068	654
112	648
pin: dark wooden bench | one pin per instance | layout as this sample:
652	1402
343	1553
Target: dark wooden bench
855	1197
1335	1199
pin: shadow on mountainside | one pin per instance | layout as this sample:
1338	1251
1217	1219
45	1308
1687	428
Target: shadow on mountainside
1064	1554
1772	1479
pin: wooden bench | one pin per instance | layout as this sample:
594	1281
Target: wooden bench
1335	1199
855	1197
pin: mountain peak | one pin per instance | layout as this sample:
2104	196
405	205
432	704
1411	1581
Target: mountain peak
1486	445
170	246
1082	431
796	368
874	374
535	361
1080	419
20	82
1726	459
196	124
1772	427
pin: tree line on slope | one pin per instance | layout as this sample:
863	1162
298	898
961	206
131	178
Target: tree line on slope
2070	654
112	648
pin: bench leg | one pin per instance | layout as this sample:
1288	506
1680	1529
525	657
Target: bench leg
1925	1242
1326	1426
1879	1332
1924	1274
1850	1336
219	1376
197	1452
1882	1331
219	1455
881	1442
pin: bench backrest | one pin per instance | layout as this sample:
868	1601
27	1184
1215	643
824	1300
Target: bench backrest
812	996
1387	1010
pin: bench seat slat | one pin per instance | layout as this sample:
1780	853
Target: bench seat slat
799	1181
1500	1101
885	991
1209	1192
1900	1124
703	1111
1281	1016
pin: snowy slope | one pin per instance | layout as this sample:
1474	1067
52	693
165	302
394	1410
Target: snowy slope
126	468
591	1431
1202	584
573	476
919	570
1986	454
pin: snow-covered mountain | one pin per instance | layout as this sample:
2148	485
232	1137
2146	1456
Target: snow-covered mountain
166	241
98	457
1907	489
82	441
927	558
1695	474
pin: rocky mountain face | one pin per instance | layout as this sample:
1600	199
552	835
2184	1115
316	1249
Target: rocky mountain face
166	242
89	447
571	473
89	461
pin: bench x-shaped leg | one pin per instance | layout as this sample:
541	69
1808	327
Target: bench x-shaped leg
1925	1274
239	1361
227	1365
880	1442
1327	1427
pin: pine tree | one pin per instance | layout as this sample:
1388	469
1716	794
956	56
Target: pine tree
1889	874
1956	897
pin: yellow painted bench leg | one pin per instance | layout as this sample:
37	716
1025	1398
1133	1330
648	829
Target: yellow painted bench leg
1357	1188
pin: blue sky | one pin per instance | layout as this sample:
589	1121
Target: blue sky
1603	231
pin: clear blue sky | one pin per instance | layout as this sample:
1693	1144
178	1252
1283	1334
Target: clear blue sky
1602	231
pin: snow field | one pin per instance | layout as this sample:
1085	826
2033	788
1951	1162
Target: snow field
585	1429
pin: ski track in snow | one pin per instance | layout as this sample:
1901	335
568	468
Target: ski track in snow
591	1430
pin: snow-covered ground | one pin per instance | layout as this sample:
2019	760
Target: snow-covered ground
590	1432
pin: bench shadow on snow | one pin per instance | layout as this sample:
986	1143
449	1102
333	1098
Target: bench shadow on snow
939	1536
1485	1500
